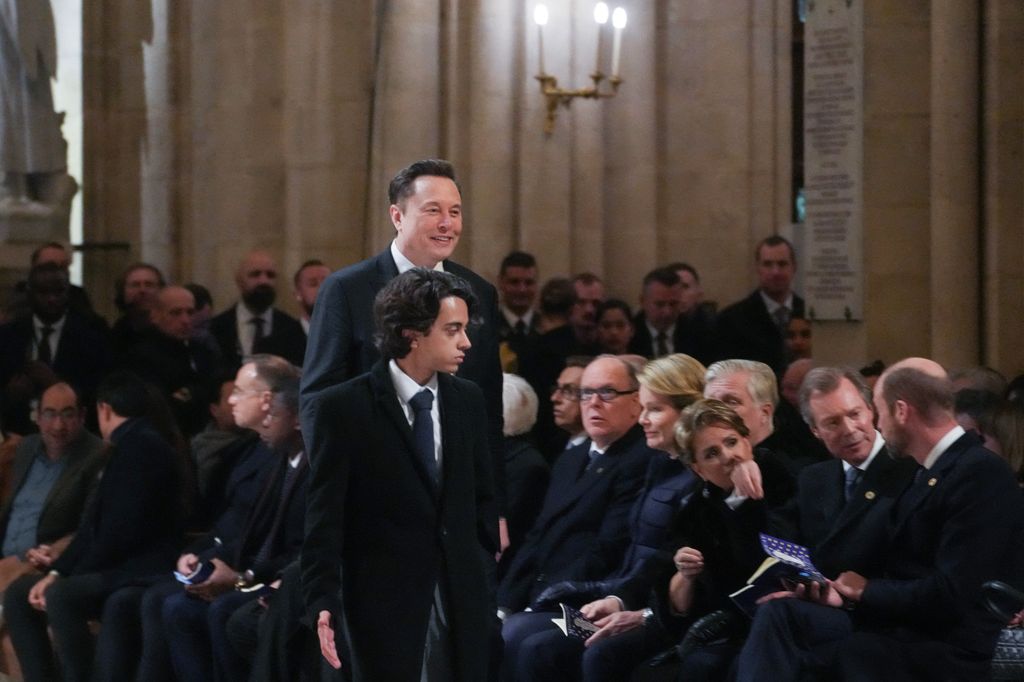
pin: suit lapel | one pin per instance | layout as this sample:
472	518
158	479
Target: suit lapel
863	499
925	482
387	401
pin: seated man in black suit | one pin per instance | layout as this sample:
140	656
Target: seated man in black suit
134	290
842	507
583	528
166	357
55	341
753	328
130	530
402	523
53	473
254	325
195	618
659	328
956	526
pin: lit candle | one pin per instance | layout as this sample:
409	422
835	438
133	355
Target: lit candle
601	17
540	17
619	22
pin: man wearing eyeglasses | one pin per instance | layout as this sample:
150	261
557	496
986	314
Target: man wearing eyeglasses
582	530
565	402
53	473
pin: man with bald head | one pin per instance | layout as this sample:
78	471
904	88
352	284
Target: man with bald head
582	530
253	325
166	357
957	525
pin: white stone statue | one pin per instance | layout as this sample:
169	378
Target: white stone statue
32	149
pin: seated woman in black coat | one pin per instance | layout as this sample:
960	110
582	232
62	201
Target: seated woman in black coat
717	534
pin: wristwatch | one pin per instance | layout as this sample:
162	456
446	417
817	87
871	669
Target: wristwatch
244	579
648	616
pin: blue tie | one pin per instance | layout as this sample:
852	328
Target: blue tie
853	476
423	430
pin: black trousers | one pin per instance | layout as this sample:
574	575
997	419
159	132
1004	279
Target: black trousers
71	602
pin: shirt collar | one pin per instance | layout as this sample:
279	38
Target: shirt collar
38	324
403	263
670	333
580	437
245	314
405	386
951	437
774	305
512	318
875	449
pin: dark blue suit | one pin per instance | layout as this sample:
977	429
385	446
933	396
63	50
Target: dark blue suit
955	527
845	536
583	528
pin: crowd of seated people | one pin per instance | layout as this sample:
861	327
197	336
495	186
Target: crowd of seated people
154	476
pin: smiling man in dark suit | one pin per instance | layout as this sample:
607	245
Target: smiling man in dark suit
956	526
842	506
426	211
754	327
401	517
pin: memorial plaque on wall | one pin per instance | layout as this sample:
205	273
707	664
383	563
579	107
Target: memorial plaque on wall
834	160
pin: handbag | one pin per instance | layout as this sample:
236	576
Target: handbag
1008	659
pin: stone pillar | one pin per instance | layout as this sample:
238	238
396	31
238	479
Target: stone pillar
954	143
1004	185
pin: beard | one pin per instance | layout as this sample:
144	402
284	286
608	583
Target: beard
259	298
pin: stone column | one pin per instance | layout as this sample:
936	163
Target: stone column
954	147
1004	185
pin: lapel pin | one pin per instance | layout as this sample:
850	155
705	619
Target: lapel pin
600	470
932	482
870	495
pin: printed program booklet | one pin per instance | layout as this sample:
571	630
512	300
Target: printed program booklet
574	624
787	565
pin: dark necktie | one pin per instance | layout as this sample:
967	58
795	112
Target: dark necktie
661	349
257	335
43	353
782	318
853	476
423	430
520	328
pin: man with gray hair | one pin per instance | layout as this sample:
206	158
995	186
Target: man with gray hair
750	388
842	506
956	526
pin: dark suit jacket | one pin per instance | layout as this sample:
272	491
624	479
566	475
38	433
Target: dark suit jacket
583	527
841	536
233	494
690	336
746	331
375	514
82	358
132	524
956	526
168	364
341	344
278	514
286	338
62	510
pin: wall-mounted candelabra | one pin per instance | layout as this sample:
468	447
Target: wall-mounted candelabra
555	95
